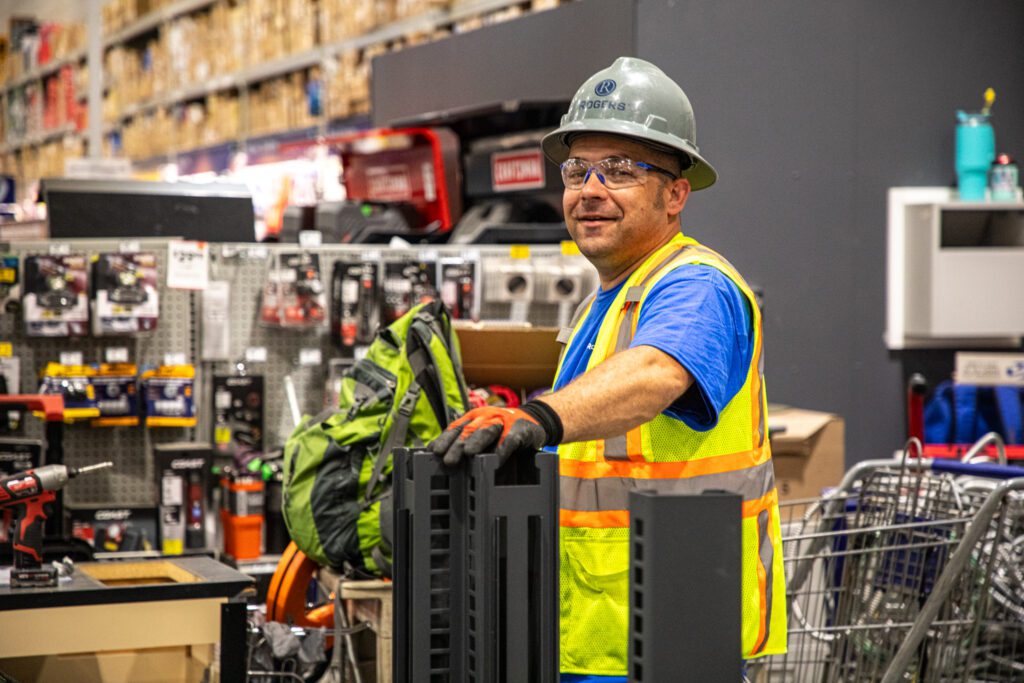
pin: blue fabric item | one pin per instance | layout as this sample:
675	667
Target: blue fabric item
699	317
1008	403
959	413
586	678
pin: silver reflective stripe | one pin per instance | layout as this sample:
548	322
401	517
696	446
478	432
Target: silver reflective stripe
612	493
572	325
766	552
615	448
635	294
564	335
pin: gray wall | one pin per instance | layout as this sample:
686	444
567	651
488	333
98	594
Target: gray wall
810	111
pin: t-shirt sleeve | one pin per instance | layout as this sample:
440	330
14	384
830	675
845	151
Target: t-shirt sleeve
699	317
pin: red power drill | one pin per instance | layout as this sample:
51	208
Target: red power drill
28	493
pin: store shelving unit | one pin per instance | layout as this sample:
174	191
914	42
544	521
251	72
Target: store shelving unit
243	82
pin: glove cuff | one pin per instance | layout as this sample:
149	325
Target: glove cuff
548	419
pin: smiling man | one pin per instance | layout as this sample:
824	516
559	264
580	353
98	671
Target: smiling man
660	386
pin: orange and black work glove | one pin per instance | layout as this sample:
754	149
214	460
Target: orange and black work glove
503	431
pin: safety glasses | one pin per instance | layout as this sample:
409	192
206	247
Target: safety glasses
615	173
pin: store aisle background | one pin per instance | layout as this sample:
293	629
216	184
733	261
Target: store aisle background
811	111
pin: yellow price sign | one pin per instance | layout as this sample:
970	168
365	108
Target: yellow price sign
570	248
519	251
6	350
222	435
8	275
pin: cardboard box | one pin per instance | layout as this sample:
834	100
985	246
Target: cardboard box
518	357
808	449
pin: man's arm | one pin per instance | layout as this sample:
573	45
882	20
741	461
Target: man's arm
626	390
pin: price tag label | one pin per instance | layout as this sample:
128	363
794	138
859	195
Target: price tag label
60	248
310	239
428	255
187	265
8	275
373	255
519	251
129	247
6	350
116	354
70	357
174	359
570	248
310	357
256	354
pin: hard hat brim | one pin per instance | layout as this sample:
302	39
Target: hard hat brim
556	145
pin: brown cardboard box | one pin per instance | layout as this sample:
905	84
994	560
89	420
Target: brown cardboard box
518	357
809	455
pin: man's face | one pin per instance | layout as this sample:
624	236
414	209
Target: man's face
614	229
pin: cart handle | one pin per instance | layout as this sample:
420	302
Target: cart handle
975	469
51	405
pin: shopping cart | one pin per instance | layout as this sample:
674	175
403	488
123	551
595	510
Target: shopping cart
912	569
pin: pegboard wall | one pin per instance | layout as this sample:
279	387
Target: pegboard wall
131	481
537	284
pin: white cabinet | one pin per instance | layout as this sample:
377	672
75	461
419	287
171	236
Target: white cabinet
955	271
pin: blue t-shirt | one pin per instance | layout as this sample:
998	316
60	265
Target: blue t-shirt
699	317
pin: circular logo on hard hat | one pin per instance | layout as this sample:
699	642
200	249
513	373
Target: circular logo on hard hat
605	88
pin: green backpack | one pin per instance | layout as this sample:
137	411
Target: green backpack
337	465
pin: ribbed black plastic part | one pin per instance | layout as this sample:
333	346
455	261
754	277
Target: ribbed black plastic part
476	570
684	599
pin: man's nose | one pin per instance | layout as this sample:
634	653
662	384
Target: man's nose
593	185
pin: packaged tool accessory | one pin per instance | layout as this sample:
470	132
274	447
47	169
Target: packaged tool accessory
10	284
407	284
125	293
10	383
56	299
355	305
241	516
237	413
460	289
114	529
182	476
74	383
169	396
117	395
294	294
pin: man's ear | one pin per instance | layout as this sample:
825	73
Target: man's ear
678	192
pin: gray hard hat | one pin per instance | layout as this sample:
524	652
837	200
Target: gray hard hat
634	99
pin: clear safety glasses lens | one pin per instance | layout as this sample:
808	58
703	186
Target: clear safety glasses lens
614	173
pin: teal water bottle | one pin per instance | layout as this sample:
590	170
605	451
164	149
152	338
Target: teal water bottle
975	152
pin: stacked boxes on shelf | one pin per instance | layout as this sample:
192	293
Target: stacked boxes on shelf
344	19
281	104
35	45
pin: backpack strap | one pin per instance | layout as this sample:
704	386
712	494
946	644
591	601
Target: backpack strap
396	437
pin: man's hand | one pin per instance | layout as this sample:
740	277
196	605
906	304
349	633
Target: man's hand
502	430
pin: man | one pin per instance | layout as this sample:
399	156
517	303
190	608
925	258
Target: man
660	385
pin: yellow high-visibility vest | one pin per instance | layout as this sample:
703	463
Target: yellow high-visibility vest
667	456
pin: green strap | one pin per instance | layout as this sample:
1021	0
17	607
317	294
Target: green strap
396	437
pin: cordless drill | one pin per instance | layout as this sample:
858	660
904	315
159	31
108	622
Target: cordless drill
28	494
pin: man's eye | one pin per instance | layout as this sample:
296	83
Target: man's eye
621	174
575	173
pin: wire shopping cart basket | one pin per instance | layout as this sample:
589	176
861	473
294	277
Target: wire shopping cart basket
911	570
